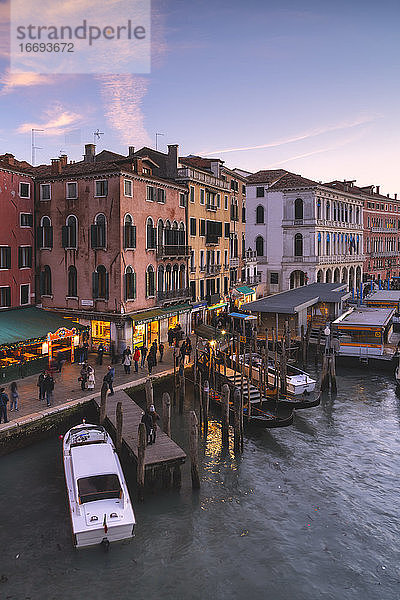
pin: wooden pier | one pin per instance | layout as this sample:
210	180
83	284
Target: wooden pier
162	460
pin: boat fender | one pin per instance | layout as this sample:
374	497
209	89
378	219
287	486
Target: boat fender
105	544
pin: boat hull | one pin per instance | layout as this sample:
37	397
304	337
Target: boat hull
117	533
293	403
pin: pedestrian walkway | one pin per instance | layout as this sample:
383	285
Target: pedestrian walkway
67	387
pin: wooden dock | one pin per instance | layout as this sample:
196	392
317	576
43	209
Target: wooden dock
162	459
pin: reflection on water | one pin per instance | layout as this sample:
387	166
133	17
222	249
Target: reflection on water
307	512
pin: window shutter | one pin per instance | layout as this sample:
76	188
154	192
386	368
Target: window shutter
95	284
133	231
29	256
65	236
8	258
134	284
20	258
126	287
41	283
39	236
107	286
126	235
94	236
50	237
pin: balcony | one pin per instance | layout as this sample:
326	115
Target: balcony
212	239
383	254
252	280
173	251
180	294
212	269
384	229
212	207
193	268
234	262
185	173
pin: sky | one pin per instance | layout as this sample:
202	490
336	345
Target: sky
311	87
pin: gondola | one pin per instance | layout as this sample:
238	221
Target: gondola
292	402
281	416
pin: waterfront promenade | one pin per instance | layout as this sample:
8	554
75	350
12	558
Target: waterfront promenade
67	387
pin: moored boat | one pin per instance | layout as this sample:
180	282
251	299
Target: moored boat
270	418
100	507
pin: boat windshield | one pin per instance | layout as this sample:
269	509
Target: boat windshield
99	487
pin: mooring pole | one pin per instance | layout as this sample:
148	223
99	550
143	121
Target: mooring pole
236	420
119	422
166	404
181	387
140	461
103	402
206	404
225	415
148	388
194	450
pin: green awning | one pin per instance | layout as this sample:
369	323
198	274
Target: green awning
175	309
245	290
19	325
146	316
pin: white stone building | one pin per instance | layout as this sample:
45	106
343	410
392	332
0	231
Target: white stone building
303	231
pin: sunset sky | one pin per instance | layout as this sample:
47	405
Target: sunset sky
312	87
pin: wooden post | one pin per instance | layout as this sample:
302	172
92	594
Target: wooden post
308	333
276	359
166	414
148	388
201	398
175	383
194	450
333	373
140	461
266	361
303	346
119	421
103	402
225	415
283	368
225	364
181	387
236	421
237	364
318	348
248	401
325	373
206	405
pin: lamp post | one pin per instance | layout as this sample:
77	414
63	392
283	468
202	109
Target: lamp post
327	333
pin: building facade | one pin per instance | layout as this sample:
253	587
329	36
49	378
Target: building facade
112	246
17	233
303	231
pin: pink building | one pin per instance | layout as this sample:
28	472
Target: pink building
112	245
16	232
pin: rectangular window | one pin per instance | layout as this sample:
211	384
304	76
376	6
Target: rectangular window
150	193
101	188
260	192
202	227
26	219
218	200
243	214
161	195
24	294
202	196
201	289
193	291
24	257
226	258
72	190
226	202
218	290
191	193
218	257
5	297
226	285
201	260
243	189
182	200
192	226
5	257
227	230
45	191
25	190
274	278
128	188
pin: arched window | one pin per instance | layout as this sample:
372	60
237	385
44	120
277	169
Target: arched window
181	234
69	233
298	208
160	233
318	209
100	283
175	233
328	245
150	234
168	278
260	245
319	276
129	233
150	282
298	244
98	233
45	281
175	277
182	278
160	279
328	210
45	233
130	284
260	214
319	244
72	282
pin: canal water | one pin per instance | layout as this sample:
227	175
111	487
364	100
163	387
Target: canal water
310	511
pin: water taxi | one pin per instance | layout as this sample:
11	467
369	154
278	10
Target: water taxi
100	506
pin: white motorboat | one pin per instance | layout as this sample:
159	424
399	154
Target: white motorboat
100	507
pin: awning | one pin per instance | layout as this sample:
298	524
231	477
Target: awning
242	316
176	309
31	323
245	290
157	314
219	305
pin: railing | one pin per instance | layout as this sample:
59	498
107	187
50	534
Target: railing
190	173
173	294
253	280
383	229
212	207
193	268
327	260
165	251
234	262
212	239
383	254
213	269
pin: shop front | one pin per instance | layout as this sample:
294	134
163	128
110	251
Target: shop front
152	325
215	312
242	295
198	314
101	334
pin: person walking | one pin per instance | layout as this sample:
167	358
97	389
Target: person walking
171	335
40	385
182	352
48	388
147	419
136	358
155	417
126	352
84	376
150	359
127	363
188	348
85	351
161	351
14	396
91	380
100	352
143	352
154	350
60	361
109	378
3	405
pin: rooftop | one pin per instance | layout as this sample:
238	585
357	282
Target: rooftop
367	317
93	459
384	296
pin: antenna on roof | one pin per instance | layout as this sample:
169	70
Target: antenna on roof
157	134
33	147
97	134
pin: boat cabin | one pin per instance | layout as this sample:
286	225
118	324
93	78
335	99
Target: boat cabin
365	332
386	299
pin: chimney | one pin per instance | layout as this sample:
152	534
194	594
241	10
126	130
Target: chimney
63	160
90	152
215	168
56	166
395	196
139	166
9	158
131	150
172	161
388	195
377	188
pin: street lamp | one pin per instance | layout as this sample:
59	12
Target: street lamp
327	332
